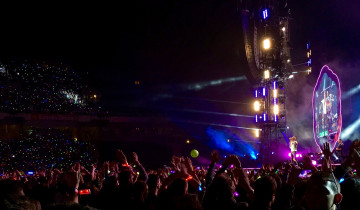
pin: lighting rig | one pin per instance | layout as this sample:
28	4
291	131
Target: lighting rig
275	65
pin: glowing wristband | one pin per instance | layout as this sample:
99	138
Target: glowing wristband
188	178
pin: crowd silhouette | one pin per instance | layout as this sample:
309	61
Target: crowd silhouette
126	184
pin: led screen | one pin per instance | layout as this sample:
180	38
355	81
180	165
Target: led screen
327	108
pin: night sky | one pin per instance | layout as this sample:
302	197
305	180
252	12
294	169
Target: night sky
169	45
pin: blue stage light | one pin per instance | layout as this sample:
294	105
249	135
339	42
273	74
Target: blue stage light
309	62
265	14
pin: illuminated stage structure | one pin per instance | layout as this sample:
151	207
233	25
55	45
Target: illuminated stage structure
265	26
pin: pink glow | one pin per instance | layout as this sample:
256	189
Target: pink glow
297	155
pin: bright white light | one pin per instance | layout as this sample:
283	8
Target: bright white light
276	109
266	44
348	131
288	60
257	133
202	85
275	93
266	74
257	106
291	76
351	92
283	29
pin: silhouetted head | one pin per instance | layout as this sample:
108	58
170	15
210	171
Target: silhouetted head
322	191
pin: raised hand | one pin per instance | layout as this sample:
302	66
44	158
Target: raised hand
121	157
77	166
134	158
326	150
232	159
175	161
188	165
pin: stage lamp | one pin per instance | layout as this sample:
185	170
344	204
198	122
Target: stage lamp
267	74
283	29
275	85
275	93
257	106
265	14
276	109
266	43
257	133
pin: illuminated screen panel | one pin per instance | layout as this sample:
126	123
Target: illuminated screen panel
327	108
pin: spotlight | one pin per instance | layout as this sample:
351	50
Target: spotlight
314	162
265	14
257	133
276	109
275	93
283	29
266	74
275	85
266	44
291	76
257	106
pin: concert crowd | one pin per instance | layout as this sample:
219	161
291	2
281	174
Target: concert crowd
49	170
225	184
38	87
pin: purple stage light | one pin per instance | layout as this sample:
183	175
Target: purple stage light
256	93
275	118
274	83
256	118
265	117
264	91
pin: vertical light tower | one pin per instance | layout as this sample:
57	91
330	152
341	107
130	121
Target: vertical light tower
275	68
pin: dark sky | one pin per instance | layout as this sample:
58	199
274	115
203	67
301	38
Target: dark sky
170	44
